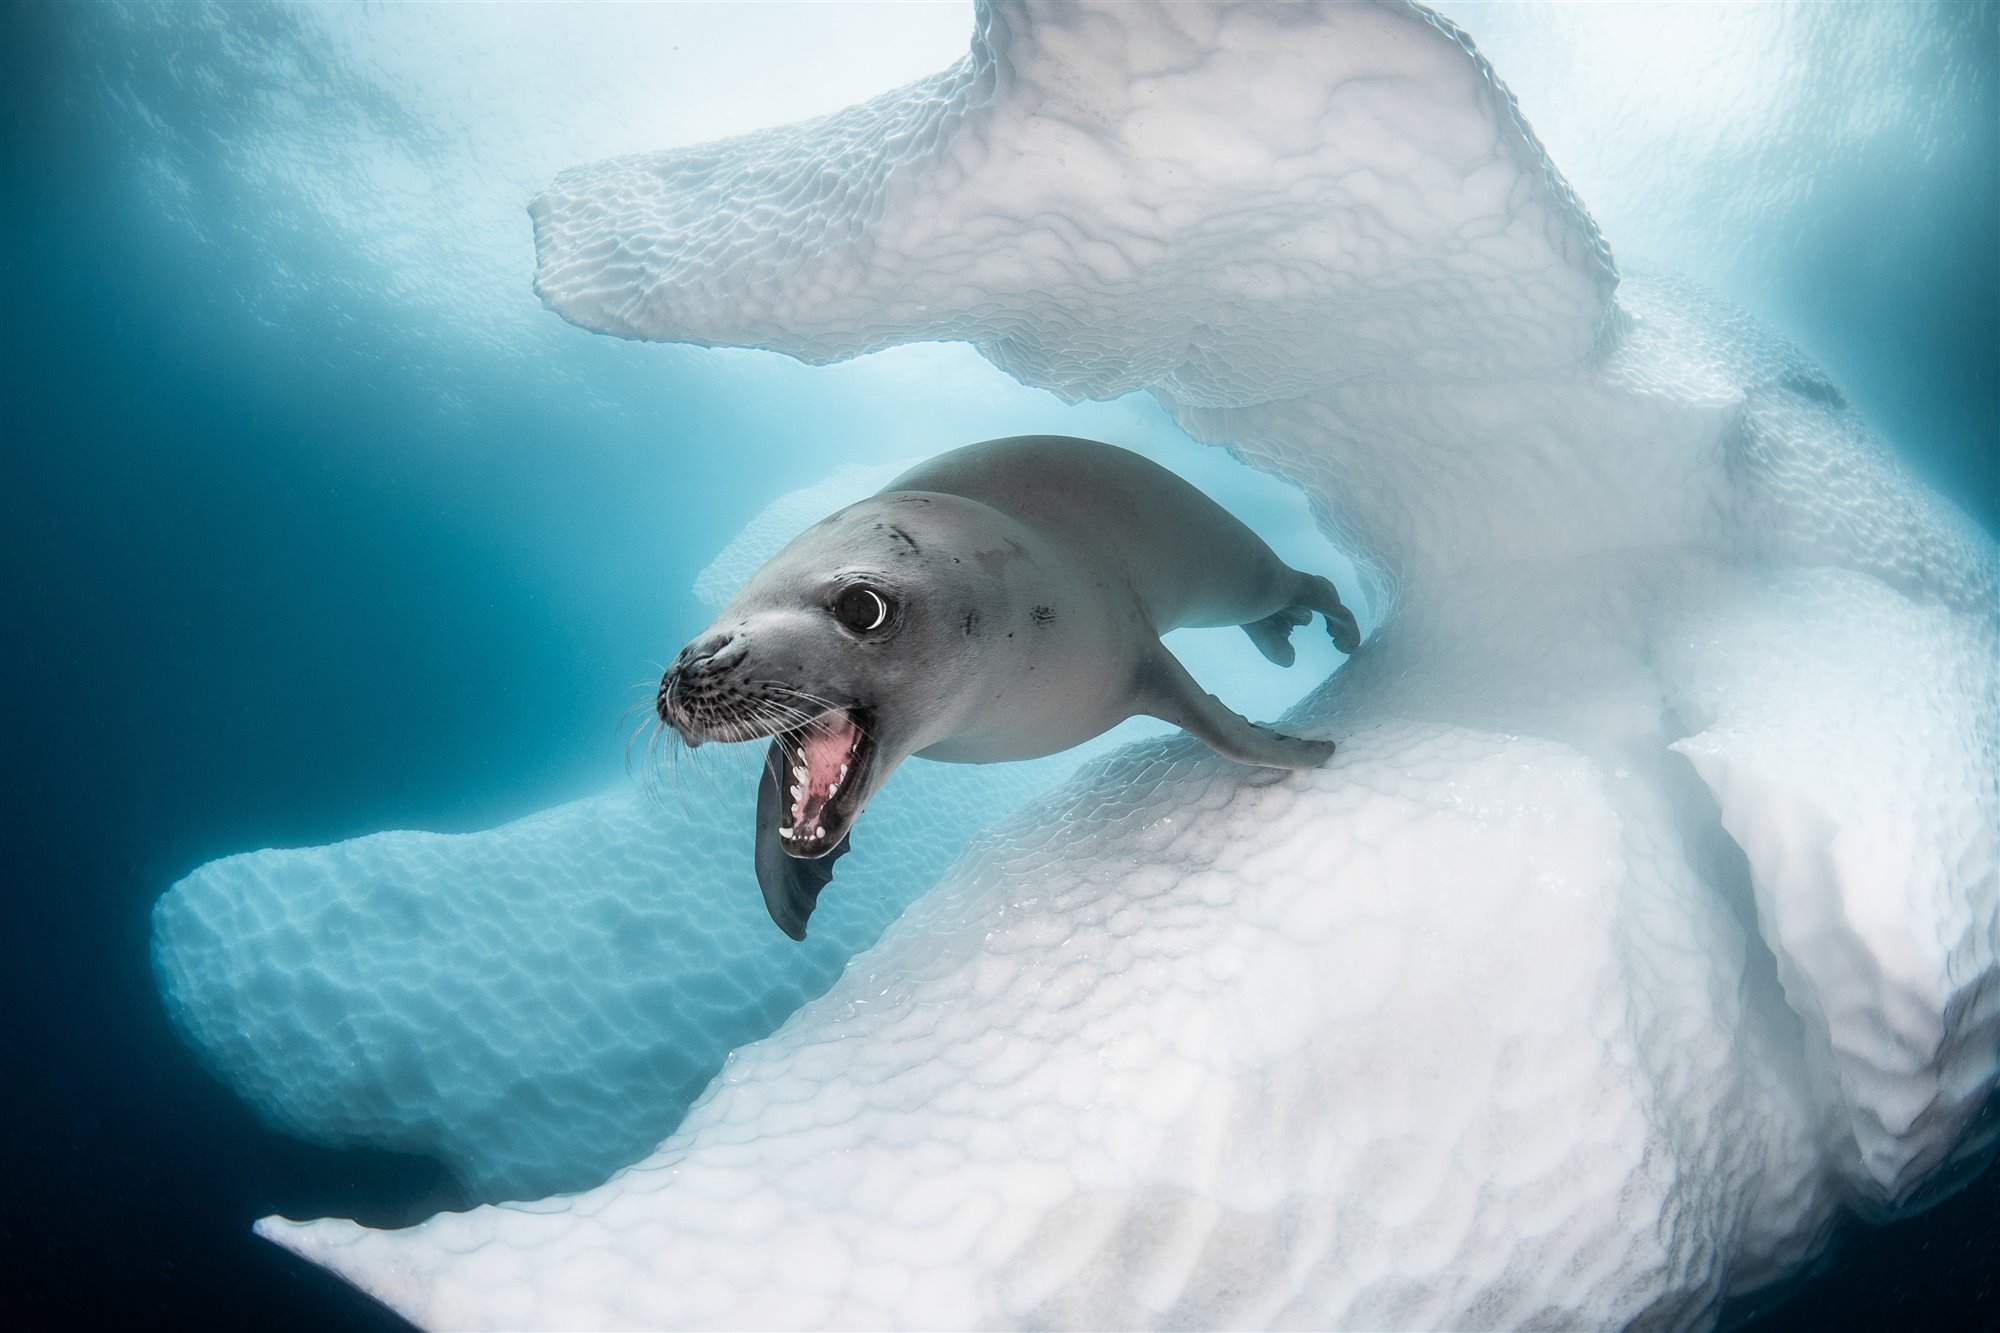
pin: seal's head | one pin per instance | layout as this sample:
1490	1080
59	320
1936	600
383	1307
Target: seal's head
851	648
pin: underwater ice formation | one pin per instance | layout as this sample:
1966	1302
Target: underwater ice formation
1646	917
533	1006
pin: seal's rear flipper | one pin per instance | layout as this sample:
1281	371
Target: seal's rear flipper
1169	693
1317	594
1273	634
791	885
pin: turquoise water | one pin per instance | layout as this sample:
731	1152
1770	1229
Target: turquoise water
318	525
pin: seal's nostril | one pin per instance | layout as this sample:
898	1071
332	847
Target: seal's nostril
703	650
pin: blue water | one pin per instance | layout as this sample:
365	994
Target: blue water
316	525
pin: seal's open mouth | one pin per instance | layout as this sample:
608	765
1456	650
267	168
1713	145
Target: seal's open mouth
826	771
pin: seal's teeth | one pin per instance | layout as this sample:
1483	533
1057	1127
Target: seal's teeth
819	830
799	772
795	791
834	788
784	833
843	770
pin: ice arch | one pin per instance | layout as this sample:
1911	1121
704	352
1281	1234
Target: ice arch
1648	915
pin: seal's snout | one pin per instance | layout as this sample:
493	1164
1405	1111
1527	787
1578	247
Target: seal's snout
695	684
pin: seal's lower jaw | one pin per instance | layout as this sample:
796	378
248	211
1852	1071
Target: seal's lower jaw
827	763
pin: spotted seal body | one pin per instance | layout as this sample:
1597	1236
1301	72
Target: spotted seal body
1001	601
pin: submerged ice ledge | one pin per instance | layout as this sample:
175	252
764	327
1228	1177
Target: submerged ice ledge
534	1006
1646	917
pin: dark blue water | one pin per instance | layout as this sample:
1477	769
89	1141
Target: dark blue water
295	551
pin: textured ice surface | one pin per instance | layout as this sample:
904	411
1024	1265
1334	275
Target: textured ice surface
1646	917
1213	1064
1687	126
536	1005
1851	738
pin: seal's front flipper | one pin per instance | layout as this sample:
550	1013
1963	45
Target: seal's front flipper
1317	594
791	885
1169	693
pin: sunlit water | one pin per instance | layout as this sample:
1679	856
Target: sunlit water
319	524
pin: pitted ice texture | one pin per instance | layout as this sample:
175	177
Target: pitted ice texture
1646	916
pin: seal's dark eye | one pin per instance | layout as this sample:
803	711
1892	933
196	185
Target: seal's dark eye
861	609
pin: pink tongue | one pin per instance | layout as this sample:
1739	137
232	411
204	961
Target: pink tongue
825	748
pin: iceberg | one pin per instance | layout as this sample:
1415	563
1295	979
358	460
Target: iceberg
1646	919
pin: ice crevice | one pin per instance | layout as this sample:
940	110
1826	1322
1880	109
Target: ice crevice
1645	919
